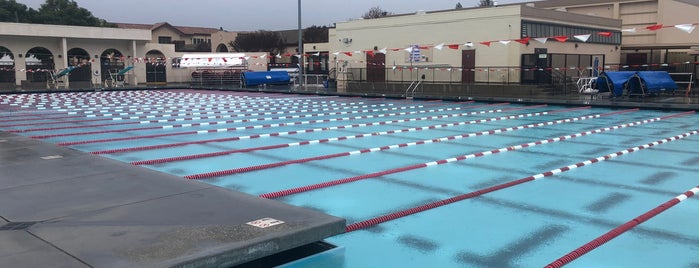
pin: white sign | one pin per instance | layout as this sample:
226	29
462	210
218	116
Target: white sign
265	222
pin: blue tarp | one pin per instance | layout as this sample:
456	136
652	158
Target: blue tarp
127	69
613	82
65	71
251	79
650	82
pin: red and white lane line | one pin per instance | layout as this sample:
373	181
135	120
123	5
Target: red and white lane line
384	148
326	140
226	114
621	229
160	146
459	158
403	213
231	122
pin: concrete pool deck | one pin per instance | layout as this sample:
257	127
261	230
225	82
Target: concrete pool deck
60	207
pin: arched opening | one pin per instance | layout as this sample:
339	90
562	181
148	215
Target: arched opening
155	68
112	63
222	48
39	63
7	68
81	76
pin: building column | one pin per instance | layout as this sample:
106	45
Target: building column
134	80
64	52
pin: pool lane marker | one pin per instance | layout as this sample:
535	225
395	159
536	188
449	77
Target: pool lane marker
403	213
326	140
231	122
226	114
312	187
272	134
402	145
621	229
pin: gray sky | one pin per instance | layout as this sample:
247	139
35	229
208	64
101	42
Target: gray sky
244	15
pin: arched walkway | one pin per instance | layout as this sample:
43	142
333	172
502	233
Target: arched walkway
39	63
81	76
112	62
156	73
7	68
222	48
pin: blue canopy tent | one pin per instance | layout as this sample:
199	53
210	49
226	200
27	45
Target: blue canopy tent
651	82
614	82
251	79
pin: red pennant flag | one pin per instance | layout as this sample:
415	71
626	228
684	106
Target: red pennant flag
655	27
370	53
348	53
561	38
523	41
606	34
453	46
395	49
210	59
224	60
485	43
424	47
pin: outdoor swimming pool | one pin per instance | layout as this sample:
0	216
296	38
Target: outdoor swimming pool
421	183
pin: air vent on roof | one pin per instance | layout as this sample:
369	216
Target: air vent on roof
420	12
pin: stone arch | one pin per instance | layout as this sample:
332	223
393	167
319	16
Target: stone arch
112	61
7	68
38	63
156	71
222	48
82	74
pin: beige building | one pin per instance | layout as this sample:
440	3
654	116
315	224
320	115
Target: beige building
31	55
642	48
474	45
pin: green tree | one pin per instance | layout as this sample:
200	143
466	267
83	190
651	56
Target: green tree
259	41
375	12
315	34
67	12
11	11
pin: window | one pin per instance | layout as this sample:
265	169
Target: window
537	29
164	40
198	40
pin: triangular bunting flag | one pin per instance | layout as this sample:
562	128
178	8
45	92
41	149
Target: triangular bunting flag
606	34
370	53
279	56
541	39
468	44
561	38
654	27
685	27
632	30
523	41
347	53
440	46
582	37
316	54
383	51
395	49
504	42
409	49
453	46
336	53
485	43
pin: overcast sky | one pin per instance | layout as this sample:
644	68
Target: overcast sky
250	15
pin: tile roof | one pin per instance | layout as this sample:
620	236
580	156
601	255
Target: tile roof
183	29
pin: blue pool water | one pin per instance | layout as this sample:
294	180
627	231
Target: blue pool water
362	158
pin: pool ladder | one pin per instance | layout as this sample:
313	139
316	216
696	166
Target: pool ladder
410	91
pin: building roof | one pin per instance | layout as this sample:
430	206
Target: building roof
186	30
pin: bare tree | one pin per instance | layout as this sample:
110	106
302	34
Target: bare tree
375	12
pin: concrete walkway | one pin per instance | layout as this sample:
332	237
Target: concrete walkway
60	207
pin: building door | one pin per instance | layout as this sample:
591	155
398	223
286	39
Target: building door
155	68
375	68
635	61
468	64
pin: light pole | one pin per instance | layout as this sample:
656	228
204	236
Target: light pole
300	50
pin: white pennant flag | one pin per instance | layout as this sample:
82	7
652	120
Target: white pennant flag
504	42
316	54
383	50
582	37
632	30
279	56
336	53
409	49
541	39
685	27
469	44
440	46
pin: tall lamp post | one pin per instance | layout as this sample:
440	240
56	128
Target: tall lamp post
301	59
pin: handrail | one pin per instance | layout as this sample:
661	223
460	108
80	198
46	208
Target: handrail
414	88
